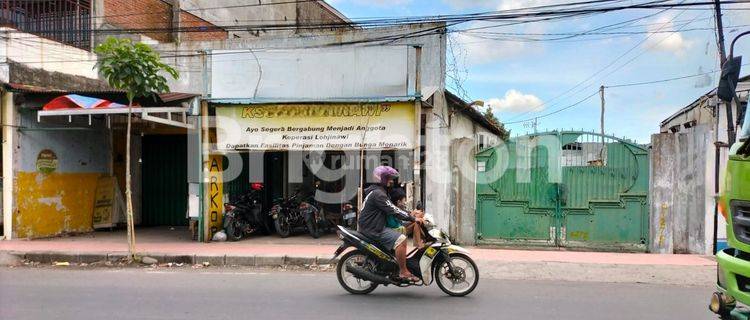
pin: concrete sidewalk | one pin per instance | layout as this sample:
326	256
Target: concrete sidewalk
303	250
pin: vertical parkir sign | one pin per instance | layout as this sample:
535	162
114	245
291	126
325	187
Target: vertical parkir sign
371	126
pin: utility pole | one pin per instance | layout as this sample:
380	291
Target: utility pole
532	123
720	32
601	122
723	59
717	164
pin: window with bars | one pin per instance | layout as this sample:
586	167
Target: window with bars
65	21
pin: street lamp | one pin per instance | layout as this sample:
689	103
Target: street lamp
477	103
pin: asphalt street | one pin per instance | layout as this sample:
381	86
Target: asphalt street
130	293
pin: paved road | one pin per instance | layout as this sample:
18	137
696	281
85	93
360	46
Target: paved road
27	293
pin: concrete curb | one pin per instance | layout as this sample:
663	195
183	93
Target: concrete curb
46	257
506	270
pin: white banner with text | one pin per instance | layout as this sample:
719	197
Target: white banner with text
339	126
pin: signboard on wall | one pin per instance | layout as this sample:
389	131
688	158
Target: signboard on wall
108	203
333	72
373	126
46	161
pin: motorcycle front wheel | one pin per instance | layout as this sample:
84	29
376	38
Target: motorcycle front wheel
464	278
347	280
234	230
281	223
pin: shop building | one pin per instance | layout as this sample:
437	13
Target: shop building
297	117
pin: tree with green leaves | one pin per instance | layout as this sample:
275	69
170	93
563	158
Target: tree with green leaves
136	69
504	134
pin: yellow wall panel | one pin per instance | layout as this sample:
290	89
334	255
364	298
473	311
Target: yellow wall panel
53	204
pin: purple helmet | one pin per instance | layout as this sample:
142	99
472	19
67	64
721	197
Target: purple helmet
383	173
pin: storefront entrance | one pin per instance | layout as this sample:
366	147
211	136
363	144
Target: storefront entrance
164	177
318	154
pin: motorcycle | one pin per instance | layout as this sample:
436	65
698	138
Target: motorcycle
363	269
245	215
349	216
291	213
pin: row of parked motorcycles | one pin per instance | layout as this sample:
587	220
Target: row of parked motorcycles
245	215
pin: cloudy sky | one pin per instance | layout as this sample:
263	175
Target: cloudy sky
526	79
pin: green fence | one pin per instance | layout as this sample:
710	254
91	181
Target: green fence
567	189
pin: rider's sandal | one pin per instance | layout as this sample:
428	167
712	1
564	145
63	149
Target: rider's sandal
411	279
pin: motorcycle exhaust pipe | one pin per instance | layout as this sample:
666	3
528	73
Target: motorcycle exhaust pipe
369	276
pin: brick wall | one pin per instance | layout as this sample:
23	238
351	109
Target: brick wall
188	21
141	14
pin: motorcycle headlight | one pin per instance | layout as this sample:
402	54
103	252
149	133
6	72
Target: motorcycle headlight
437	234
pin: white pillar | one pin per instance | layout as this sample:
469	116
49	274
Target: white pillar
9	137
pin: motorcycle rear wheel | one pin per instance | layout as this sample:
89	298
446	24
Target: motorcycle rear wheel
312	226
468	274
347	280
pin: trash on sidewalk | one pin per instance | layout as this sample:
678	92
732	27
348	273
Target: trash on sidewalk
149	260
61	264
220	236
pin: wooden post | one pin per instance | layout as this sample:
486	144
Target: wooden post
204	223
417	186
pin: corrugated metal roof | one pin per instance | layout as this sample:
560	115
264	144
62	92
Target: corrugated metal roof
162	98
176	96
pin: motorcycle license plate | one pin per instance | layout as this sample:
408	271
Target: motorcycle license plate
350	215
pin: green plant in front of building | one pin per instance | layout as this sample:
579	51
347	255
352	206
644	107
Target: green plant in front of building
492	118
138	70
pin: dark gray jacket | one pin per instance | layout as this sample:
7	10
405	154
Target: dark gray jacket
376	206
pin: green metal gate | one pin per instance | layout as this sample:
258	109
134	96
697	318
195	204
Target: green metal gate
164	180
567	189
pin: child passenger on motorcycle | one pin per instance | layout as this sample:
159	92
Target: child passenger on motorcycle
398	197
376	207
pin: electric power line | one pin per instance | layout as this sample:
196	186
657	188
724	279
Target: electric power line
554	112
448	19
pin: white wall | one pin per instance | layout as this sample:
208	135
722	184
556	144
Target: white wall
464	137
696	236
41	53
336	72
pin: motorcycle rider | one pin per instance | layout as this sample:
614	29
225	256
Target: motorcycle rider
372	220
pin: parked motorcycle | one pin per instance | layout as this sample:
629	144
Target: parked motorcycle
291	213
361	270
245	215
348	216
